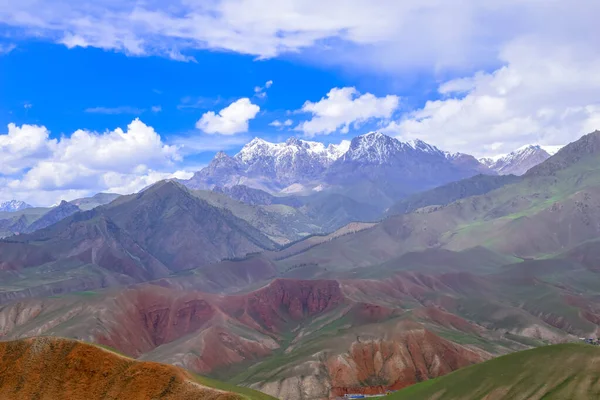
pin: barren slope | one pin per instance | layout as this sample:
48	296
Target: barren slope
53	368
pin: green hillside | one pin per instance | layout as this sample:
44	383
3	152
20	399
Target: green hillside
453	191
564	371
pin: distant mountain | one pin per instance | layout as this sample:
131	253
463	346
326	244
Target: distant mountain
14	205
372	168
135	238
326	211
58	213
99	199
518	162
268	165
453	191
469	163
256	197
379	170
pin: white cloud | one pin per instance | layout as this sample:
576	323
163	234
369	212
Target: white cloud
261	91
176	55
23	146
42	170
156	109
343	107
383	35
230	120
6	48
279	124
115	110
549	95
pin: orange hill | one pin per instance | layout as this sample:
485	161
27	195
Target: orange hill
53	368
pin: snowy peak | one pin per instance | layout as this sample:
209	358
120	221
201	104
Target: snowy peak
377	148
260	150
420	145
13	206
519	161
373	147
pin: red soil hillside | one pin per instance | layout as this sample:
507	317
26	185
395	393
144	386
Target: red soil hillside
286	301
372	366
52	368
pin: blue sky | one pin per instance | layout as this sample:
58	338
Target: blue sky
100	90
115	95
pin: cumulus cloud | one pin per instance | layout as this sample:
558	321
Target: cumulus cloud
23	146
343	107
42	170
549	95
230	120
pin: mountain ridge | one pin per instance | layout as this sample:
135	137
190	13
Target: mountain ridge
298	166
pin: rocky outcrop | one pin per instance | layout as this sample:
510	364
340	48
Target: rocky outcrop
373	365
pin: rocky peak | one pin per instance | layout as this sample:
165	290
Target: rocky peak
378	148
14	205
373	147
294	141
518	161
419	145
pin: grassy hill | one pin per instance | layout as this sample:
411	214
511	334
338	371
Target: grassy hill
564	371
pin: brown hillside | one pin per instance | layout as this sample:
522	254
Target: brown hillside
52	368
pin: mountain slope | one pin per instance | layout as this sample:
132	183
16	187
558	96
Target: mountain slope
554	208
451	192
54	368
58	213
585	148
326	211
182	230
564	371
146	236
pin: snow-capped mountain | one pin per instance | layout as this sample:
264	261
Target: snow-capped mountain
469	162
519	161
14	205
373	165
271	166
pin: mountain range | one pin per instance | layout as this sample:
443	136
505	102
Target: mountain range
373	168
363	277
